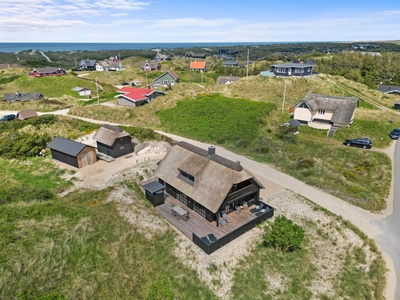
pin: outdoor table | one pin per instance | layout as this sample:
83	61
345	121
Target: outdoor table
179	212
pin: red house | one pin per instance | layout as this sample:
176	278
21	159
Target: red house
137	96
48	71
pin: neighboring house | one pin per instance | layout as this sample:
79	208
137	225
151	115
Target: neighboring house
196	55
110	64
161	57
197	65
150	66
389	89
26	114
371	53
292	69
226	79
48	71
72	153
230	63
397	105
12	97
169	78
113	141
82	91
86	65
137	96
322	112
206	182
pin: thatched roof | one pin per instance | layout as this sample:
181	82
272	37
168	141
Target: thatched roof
107	134
213	175
342	107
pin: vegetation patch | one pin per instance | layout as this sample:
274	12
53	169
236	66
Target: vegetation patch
216	118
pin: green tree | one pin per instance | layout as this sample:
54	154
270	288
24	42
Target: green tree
284	235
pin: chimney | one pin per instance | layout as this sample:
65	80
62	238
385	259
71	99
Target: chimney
238	162
211	151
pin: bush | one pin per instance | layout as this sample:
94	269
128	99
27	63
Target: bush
284	235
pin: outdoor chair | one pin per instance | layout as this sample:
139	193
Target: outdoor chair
261	212
205	240
223	212
220	220
245	205
212	238
237	209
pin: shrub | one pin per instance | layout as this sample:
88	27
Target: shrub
284	235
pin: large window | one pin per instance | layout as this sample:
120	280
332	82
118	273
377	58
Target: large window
181	197
321	111
199	209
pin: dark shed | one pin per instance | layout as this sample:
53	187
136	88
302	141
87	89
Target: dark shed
113	141
72	153
397	104
154	192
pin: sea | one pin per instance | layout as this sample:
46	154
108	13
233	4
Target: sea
71	47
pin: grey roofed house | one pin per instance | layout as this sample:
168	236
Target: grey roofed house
11	97
150	65
226	79
331	110
66	146
292	69
213	177
389	89
88	64
72	153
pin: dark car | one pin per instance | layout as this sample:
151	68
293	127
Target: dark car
124	83
7	117
395	133
359	142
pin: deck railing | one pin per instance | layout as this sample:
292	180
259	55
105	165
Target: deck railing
210	248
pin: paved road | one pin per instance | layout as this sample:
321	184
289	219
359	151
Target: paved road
390	225
384	227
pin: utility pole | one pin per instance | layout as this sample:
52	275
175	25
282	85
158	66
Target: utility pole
146	79
97	92
284	96
247	65
201	76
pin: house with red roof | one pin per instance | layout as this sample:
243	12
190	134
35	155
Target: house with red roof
197	65
137	96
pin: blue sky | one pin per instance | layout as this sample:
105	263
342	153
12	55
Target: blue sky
142	21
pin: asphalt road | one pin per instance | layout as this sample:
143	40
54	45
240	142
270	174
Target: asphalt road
389	239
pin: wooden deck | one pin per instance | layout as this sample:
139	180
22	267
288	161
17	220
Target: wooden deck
198	224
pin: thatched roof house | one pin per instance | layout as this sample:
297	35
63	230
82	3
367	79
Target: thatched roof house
113	141
205	181
323	111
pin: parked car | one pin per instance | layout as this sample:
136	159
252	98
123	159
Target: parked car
7	117
395	133
364	143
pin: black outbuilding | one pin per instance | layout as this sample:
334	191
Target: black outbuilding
72	153
154	192
113	141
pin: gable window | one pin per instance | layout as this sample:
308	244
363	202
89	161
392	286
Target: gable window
321	111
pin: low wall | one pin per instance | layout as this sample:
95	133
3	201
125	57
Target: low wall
210	248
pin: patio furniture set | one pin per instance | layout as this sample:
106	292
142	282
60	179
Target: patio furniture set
179	213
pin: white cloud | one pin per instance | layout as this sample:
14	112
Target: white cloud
192	22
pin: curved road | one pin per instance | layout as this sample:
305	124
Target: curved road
384	227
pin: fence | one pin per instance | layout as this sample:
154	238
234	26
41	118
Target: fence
210	248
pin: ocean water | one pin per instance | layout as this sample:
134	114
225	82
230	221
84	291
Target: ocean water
57	47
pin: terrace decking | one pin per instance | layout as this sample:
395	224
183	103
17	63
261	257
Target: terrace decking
200	226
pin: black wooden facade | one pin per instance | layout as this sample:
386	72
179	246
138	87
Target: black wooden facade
122	146
292	69
246	191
